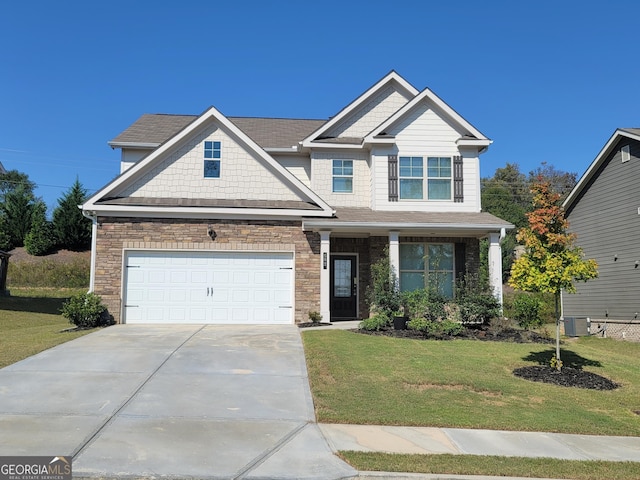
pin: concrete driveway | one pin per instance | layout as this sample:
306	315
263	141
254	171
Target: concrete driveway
175	401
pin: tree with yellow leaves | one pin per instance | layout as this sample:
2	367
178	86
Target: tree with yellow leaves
551	262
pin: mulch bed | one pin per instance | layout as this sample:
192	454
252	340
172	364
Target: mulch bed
482	333
313	324
567	377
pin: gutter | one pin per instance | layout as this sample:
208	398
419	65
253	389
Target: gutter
94	239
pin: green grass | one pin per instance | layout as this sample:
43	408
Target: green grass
494	466
30	322
363	379
49	272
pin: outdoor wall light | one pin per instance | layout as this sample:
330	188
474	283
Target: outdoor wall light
615	258
636	264
211	232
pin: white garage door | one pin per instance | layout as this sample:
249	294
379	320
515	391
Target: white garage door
208	287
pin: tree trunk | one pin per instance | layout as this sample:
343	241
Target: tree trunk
557	301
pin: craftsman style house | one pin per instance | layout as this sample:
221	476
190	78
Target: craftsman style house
603	210
218	219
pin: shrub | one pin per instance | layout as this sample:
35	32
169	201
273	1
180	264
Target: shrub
49	273
85	310
435	328
383	294
526	310
315	317
379	321
476	300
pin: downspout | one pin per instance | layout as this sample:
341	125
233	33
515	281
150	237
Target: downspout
94	241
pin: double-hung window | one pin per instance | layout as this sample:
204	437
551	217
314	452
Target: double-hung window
439	178
343	176
437	181
212	157
427	265
411	178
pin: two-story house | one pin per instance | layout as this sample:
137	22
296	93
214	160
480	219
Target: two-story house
218	219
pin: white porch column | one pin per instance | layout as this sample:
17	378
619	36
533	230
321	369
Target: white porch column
394	253
325	279
495	264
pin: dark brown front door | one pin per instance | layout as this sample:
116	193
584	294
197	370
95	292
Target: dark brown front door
344	287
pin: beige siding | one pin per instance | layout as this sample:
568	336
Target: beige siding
362	121
299	166
424	133
322	179
180	174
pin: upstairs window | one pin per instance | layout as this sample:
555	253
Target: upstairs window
437	182
411	178
343	176
439	178
212	156
626	153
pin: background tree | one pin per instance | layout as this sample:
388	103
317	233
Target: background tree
72	229
551	262
11	180
15	213
40	240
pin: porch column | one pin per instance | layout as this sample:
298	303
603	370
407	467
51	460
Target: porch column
394	253
495	264
325	279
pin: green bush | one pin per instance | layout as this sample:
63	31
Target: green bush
435	328
526	310
379	321
85	310
383	294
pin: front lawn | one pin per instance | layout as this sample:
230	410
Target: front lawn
30	322
493	466
364	379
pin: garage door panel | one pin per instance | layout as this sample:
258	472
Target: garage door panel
208	287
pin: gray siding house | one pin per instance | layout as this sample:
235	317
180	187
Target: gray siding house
604	211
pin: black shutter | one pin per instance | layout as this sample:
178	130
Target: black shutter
393	178
458	181
461	260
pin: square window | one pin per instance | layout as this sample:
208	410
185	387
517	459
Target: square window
342	176
411	178
212	168
427	265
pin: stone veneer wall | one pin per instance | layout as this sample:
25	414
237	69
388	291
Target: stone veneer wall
116	234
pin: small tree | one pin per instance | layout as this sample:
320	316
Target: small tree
40	239
551	262
383	294
72	229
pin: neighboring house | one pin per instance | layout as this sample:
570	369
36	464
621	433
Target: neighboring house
218	219
2	170
604	211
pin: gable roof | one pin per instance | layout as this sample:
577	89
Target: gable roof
631	133
392	78
473	136
152	130
102	201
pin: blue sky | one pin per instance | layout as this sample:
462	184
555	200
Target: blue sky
547	81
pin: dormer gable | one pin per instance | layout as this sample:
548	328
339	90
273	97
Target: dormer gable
349	126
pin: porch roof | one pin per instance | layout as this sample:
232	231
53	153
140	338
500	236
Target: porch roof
375	222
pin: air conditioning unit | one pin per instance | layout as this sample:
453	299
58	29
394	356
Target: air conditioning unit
577	326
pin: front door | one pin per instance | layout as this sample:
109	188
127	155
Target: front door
344	287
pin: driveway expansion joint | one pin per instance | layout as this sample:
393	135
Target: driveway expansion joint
78	451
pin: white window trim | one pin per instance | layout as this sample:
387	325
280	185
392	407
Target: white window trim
333	176
425	180
219	160
625	152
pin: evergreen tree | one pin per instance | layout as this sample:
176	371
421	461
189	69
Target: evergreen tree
72	229
40	239
13	179
15	214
